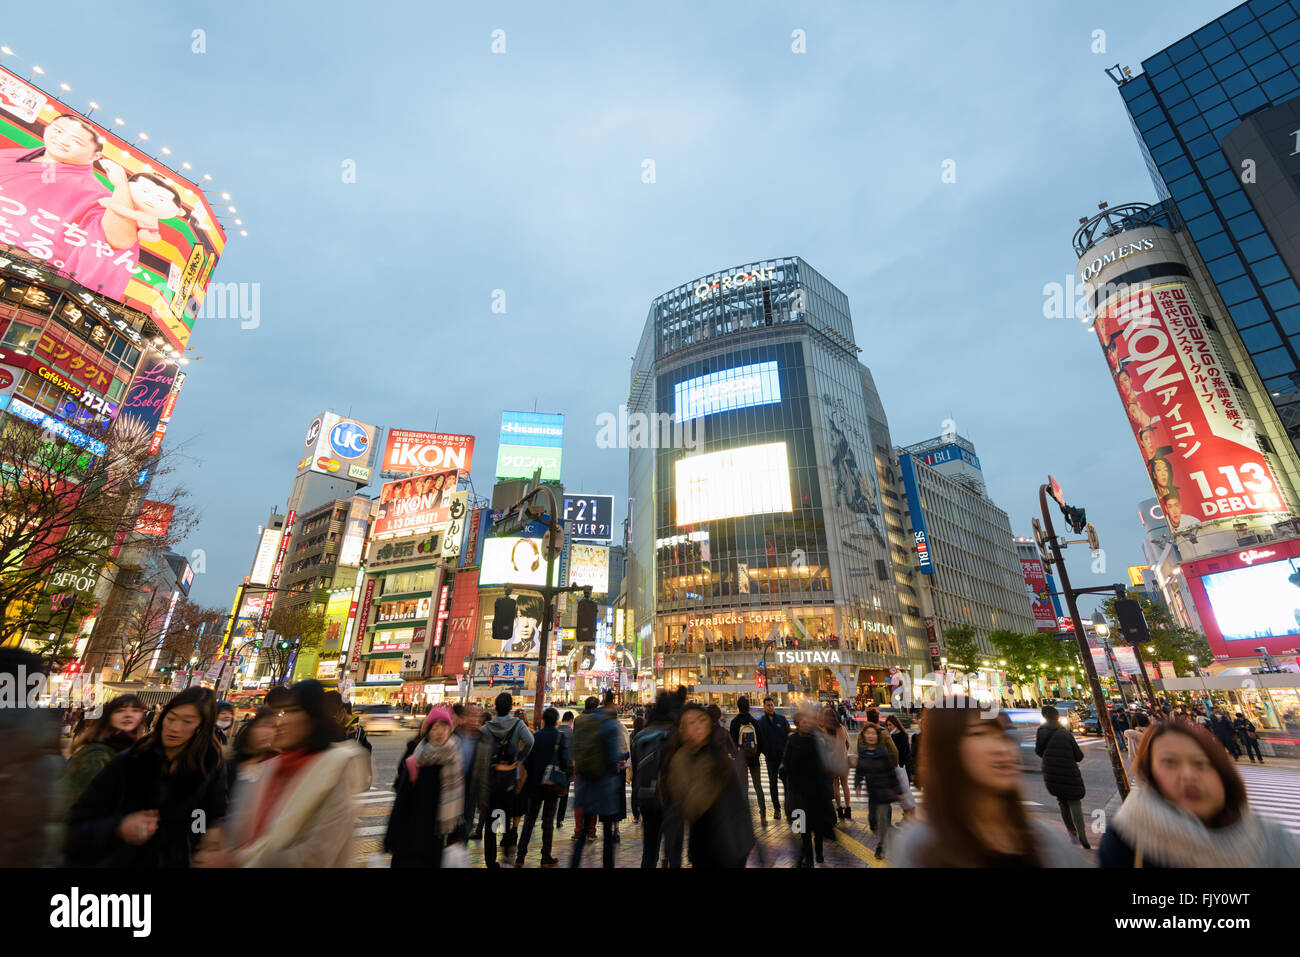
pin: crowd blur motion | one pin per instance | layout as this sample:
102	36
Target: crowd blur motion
185	784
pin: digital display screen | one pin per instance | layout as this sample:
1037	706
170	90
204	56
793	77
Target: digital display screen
515	560
1260	601
737	388
752	480
530	441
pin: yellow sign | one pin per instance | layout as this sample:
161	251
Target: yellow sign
619	634
1135	574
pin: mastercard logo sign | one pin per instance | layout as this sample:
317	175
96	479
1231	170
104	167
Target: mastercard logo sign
327	464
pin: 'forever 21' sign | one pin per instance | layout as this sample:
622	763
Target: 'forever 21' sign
589	517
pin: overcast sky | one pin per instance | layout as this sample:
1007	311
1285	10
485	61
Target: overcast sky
523	171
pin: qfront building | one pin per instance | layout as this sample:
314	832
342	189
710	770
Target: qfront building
758	533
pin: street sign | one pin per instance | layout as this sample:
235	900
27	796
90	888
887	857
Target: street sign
1057	492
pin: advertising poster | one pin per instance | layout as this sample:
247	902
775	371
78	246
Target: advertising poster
340	446
461	622
529	441
1198	446
426	452
588	517
265	558
113	220
154	518
415	505
589	565
1040	595
515	561
145	399
751	480
1249	599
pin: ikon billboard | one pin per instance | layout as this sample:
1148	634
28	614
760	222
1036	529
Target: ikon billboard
408	451
1199	448
112	219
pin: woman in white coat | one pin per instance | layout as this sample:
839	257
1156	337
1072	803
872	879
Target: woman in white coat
299	809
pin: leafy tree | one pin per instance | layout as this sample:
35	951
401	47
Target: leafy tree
1171	641
963	650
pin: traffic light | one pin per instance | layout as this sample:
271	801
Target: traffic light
1131	622
285	644
503	619
1076	518
760	680
586	631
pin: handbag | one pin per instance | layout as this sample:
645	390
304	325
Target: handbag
554	779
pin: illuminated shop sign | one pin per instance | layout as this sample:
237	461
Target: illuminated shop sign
704	289
737	388
1119	252
950	453
752	480
919	535
808	657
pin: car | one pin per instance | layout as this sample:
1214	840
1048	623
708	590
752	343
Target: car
377	718
1085	721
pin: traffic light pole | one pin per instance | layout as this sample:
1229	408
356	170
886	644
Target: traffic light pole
1098	697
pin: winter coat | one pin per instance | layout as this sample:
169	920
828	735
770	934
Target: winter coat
138	780
545	743
646	743
314	816
1222	729
903	748
412	836
1242	728
1061	756
772	733
876	765
501	727
808	784
83	767
723	836
602	795
740	721
30	766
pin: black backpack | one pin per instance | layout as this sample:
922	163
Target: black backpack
645	778
503	774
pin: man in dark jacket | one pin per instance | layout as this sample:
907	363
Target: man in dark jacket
1061	756
748	738
773	729
647	760
1119	721
503	745
1247	737
549	746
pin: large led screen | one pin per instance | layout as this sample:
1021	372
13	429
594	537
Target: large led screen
101	212
1256	602
514	561
530	441
737	388
752	480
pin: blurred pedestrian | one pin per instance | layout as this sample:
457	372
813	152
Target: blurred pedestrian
1119	721
647	753
638	725
101	739
597	753
1133	735
503	745
969	767
897	735
253	744
837	761
704	779
747	736
773	730
353	730
878	769
153	802
546	776
429	795
225	721
1221	728
298	809
565	730
808	785
31	764
1191	810
1061	755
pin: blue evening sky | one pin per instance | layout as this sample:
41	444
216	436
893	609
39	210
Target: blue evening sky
522	171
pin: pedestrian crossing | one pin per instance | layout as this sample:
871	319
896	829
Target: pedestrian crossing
1273	793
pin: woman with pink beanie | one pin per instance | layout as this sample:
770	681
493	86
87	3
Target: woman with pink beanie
430	795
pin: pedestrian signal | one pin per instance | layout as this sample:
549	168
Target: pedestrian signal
586	631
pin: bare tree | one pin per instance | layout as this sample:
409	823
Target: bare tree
194	637
297	628
64	512
140	630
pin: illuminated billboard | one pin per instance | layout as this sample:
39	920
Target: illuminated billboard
1198	444
1249	599
266	552
339	446
751	480
112	219
588	516
515	561
589	565
415	505
529	441
737	388
920	535
408	451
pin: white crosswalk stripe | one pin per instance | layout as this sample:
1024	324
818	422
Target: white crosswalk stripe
1274	794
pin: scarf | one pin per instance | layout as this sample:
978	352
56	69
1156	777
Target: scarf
694	781
287	765
120	740
451	790
1172	837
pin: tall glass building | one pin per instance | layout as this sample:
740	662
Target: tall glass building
757	526
1212	113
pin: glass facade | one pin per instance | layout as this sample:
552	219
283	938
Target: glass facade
760	356
1192	96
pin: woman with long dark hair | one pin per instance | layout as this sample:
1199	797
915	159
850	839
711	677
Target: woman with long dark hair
99	741
253	744
298	810
837	741
1191	810
969	769
151	804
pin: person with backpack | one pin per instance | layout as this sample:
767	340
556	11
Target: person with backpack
584	828
1061	756
773	729
748	738
647	754
597	753
546	777
566	732
503	746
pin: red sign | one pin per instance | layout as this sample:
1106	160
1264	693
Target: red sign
81	368
154	518
1248	599
1039	594
415	505
461	622
363	619
427	452
1199	447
